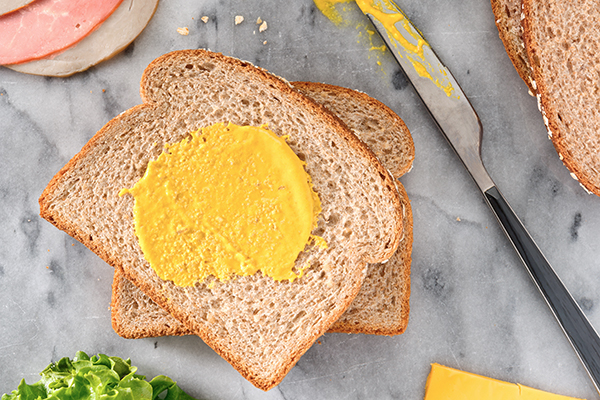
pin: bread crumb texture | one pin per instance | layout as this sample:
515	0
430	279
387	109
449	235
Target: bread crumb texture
183	31
258	325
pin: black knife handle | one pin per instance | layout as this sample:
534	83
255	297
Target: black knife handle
573	321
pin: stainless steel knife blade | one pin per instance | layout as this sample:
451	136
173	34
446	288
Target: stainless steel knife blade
458	121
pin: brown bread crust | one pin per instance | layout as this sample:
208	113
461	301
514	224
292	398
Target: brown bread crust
508	22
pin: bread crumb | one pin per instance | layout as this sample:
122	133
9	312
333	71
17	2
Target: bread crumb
239	19
183	31
259	21
319	342
204	19
265	42
263	27
458	219
103	90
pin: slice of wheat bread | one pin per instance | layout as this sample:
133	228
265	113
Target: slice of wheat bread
381	306
562	39
260	326
385	311
508	22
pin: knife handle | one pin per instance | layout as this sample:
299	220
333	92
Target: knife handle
579	331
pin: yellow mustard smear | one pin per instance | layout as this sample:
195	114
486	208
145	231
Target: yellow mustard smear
231	200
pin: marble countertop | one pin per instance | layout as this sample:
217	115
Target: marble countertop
473	306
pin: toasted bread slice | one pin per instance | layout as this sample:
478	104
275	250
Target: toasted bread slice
260	326
384	296
562	39
508	22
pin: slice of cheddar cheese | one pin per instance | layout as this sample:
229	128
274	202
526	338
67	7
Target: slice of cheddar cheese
446	383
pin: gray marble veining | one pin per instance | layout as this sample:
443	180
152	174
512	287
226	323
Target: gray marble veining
472	306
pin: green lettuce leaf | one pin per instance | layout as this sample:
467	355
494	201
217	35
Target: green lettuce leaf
97	378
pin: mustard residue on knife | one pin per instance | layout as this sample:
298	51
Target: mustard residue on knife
229	201
414	45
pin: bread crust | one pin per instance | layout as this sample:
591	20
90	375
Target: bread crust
155	92
508	22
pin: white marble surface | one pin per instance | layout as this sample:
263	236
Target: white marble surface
472	307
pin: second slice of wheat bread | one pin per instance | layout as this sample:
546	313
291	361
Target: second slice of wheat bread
260	326
562	39
382	305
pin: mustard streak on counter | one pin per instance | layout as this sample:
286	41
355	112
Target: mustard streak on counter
231	200
446	383
327	7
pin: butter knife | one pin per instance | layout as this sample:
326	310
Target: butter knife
461	126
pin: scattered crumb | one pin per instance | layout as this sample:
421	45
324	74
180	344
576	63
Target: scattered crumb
72	244
47	267
103	90
183	31
239	19
204	19
265	42
259	21
458	219
263	27
90	91
318	341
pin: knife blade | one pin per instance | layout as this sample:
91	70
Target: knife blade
457	120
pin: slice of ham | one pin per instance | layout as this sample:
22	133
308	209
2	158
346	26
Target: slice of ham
47	26
7	6
116	33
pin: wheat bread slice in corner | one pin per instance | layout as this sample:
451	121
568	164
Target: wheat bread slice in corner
562	39
260	326
382	305
508	21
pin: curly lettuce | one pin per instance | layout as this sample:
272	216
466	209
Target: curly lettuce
97	378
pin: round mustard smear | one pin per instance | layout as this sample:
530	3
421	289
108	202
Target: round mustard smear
230	200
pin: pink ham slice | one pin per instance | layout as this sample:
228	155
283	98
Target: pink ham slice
48	26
